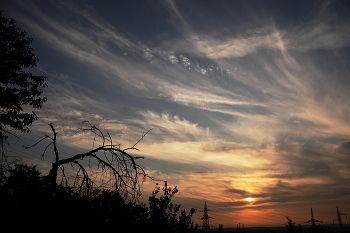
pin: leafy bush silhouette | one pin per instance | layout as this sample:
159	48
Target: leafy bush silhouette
28	204
164	214
291	226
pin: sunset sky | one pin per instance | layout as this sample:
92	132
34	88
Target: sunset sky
249	99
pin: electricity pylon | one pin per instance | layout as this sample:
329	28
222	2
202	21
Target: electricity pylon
205	218
313	220
340	222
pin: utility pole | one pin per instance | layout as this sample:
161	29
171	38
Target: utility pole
205	218
340	222
313	221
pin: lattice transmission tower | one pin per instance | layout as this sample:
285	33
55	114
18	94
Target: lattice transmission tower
340	222
313	220
205	225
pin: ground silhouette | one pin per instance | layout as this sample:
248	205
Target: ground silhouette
27	204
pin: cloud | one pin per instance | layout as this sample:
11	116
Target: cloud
229	204
179	129
302	38
323	35
282	192
316	31
344	148
243	193
167	55
239	47
255	118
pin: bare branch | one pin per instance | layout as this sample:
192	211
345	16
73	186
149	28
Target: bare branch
54	141
64	178
28	147
117	168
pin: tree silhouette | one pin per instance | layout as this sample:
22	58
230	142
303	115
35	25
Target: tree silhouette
18	179
163	214
18	87
291	226
118	169
27	205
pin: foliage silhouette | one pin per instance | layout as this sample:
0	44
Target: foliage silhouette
291	226
163	214
18	87
27	204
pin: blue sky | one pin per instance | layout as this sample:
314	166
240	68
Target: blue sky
247	98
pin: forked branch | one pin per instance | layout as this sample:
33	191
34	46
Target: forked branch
116	168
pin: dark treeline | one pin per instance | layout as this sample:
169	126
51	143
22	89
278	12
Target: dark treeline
28	204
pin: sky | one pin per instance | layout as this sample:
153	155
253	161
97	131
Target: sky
245	99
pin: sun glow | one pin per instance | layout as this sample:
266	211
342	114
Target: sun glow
249	199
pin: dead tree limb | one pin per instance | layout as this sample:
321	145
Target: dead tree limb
118	169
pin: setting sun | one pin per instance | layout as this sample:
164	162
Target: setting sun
249	199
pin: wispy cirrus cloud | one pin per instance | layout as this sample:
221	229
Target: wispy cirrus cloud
319	32
311	37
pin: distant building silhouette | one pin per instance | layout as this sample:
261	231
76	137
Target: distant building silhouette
220	227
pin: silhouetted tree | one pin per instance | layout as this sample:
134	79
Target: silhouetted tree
113	211
163	214
290	225
27	204
18	87
118	169
196	227
18	179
